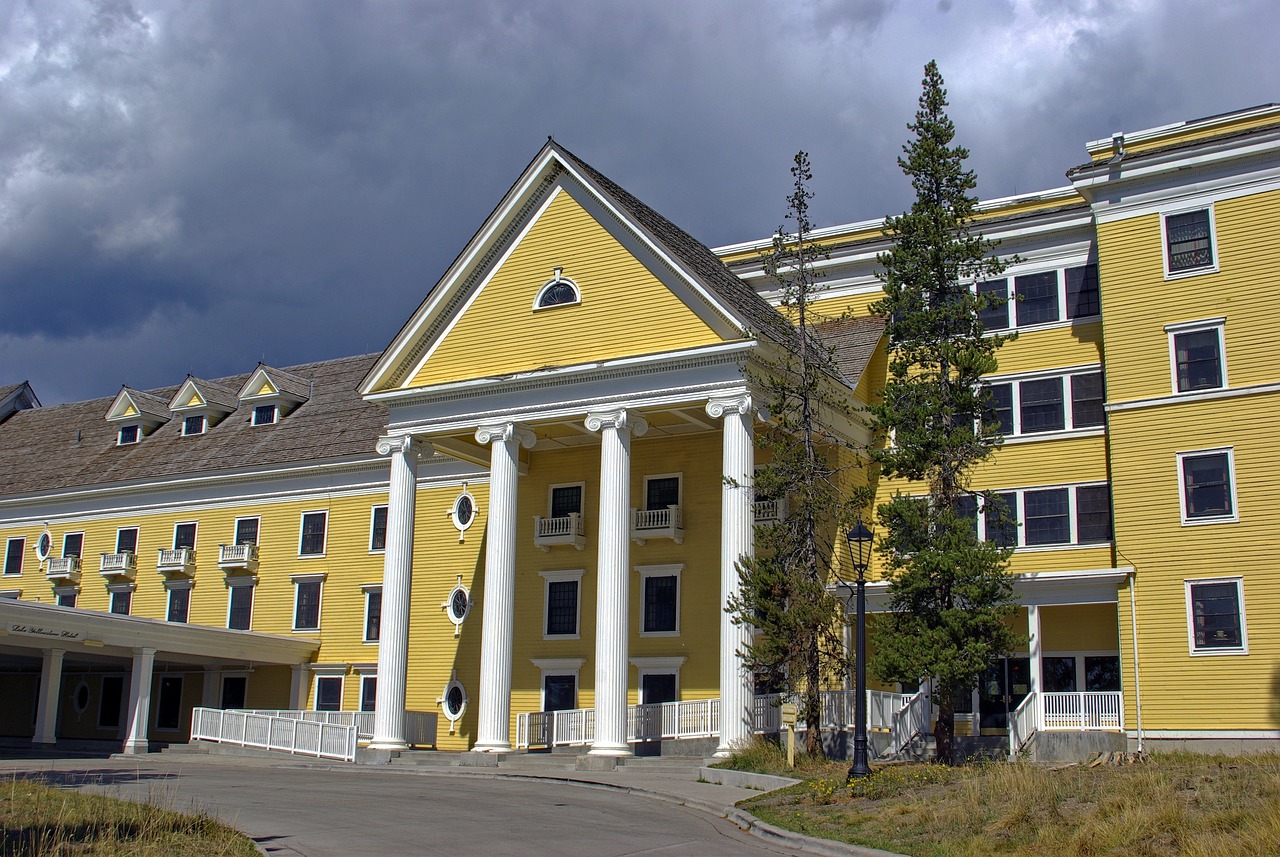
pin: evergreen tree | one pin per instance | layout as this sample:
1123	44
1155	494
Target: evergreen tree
784	595
949	592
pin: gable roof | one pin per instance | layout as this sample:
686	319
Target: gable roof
852	342
215	397
741	311
65	446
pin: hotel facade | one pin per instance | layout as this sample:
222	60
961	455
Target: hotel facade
534	499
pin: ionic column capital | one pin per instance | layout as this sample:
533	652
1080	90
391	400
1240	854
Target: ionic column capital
503	432
407	444
619	418
738	403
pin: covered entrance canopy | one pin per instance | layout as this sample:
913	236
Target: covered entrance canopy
31	631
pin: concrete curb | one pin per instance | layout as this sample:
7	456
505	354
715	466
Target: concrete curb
746	779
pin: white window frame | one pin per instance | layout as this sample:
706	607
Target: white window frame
275	414
1243	648
1011	302
170	586
567	576
373	515
367	673
298	580
1064	377
1019	515
194	538
1165	214
370	589
558	666
114	589
21	555
235	530
648	571
582	495
204	425
1231	477
453	716
325	674
250	581
1172	331
458	523
61	591
137	434
644	496
324	546
65	536
137	539
555	281
656	666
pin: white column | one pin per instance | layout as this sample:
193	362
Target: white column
613	624
139	700
493	733
50	690
299	686
1033	646
737	542
397	581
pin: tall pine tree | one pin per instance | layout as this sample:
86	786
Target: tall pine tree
949	592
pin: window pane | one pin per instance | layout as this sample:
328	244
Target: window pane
1198	361
127	540
1046	519
1189	242
660	603
369	693
120	602
1215	615
1102	672
72	544
1093	514
1037	296
562	607
184	536
193	425
378	536
67	599
565	500
264	415
965	508
1087	400
313	534
1041	407
1000	407
179	604
307	614
240	615
996	314
328	694
559	693
234	691
661	493
373	617
1207	485
1082	292
247	531
13	556
1000	515
1059	674
128	435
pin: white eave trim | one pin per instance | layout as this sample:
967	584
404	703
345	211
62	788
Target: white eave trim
1089	586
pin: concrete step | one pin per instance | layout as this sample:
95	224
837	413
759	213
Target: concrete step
427	759
195	748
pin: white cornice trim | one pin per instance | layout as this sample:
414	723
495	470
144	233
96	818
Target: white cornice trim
1147	135
1184	398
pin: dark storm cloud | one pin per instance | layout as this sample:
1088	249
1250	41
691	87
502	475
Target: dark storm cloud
195	187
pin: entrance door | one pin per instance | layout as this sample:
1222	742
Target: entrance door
233	691
1003	687
169	703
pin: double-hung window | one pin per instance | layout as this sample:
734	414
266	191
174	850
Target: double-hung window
311	540
328	693
378	529
1208	489
995	315
661	492
121	600
566	500
1069	515
1198	355
246	531
1215	616
306	605
73	544
372	613
13	554
179	603
240	604
184	536
1188	242
1037	405
1037	296
193	425
1045	297
1084	298
563	599
660	600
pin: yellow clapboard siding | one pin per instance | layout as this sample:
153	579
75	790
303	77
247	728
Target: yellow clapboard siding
1079	627
625	309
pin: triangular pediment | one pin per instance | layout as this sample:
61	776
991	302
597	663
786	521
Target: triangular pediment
135	406
274	385
199	396
629	284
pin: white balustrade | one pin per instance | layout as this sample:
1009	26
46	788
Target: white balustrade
119	565
665	523
237	556
1087	711
568	530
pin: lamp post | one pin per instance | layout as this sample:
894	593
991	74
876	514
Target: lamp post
860	555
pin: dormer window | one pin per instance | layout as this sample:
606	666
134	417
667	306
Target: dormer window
129	435
193	425
265	415
558	291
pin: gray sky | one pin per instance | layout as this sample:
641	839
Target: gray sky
196	186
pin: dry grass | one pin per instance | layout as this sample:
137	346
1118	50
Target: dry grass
1174	804
40	821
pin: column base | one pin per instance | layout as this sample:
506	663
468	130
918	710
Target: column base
493	747
136	747
601	749
388	745
44	743
722	753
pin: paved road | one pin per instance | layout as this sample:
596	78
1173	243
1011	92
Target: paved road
323	813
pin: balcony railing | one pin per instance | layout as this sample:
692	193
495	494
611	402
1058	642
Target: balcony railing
176	561
64	569
238	557
569	530
665	523
119	565
770	510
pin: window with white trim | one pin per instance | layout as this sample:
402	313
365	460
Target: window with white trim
378	529
193	425
127	540
1043	297
14	551
66	595
1188	242
1067	402
660	600
240	603
184	536
121	599
1215	616
454	702
265	415
329	693
179	608
1208	493
558	291
246	531
661	491
372	612
73	544
311	537
1197	355
1041	517
306	602
566	499
129	435
368	692
563	603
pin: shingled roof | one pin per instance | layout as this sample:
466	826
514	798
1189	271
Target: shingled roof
852	342
64	446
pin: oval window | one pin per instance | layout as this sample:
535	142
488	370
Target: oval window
455	701
459	605
82	697
464	511
44	545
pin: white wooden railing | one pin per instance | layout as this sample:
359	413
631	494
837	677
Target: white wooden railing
175	559
1076	711
910	720
1023	721
305	737
696	718
569	530
122	564
420	727
657	523
64	568
237	556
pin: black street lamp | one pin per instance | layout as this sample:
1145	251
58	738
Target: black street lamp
860	555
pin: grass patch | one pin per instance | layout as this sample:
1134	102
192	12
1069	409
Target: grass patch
39	821
1174	804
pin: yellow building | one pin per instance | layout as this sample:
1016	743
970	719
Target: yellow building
534	498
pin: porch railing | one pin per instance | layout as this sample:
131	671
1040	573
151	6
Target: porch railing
657	523
175	559
695	718
1022	724
305	737
568	530
237	556
1086	711
124	564
420	727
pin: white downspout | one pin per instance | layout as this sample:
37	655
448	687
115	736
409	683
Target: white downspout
1137	683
